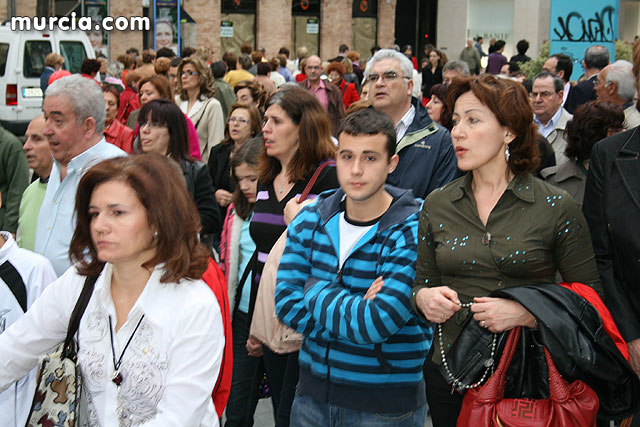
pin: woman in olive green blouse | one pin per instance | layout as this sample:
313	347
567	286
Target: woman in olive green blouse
498	226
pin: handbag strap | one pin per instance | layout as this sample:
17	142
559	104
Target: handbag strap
495	384
12	278
247	270
558	390
314	178
76	314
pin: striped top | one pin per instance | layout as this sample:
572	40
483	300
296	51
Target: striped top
267	223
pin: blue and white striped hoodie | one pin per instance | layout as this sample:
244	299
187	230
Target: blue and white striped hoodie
365	355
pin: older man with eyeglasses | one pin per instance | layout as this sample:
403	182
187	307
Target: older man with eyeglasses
547	96
427	160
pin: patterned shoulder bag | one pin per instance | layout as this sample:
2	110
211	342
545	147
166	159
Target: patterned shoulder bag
59	385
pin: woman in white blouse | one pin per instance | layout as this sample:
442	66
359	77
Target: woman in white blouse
151	338
196	100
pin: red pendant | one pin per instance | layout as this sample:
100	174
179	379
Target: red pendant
117	379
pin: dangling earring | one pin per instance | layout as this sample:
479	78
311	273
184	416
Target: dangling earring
507	154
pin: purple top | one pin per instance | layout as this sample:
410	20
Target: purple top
496	61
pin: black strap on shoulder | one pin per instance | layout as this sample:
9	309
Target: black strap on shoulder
78	311
14	281
248	269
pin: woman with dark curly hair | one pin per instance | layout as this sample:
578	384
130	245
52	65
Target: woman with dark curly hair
438	108
591	122
336	71
496	227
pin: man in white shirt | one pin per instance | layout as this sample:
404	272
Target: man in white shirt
547	96
616	84
74	112
23	276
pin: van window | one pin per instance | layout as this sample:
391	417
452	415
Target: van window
4	51
34	53
73	54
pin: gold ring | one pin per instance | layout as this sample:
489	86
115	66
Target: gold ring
442	315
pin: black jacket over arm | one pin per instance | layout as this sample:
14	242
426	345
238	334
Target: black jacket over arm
571	328
612	209
198	180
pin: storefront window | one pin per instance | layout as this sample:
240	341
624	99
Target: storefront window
305	29
364	26
238	24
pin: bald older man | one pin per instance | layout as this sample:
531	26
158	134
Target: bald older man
39	158
471	56
328	94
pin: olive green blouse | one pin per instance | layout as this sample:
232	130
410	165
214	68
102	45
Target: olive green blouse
534	231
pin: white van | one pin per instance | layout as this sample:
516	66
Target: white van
22	56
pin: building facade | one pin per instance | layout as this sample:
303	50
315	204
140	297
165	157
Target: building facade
323	25
221	25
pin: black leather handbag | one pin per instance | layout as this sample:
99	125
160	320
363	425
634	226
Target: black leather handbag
470	357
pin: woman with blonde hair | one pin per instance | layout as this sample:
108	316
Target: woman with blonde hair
196	99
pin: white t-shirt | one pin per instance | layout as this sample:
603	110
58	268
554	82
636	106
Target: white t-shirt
169	369
352	232
36	272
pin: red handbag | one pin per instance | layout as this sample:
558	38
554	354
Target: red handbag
568	405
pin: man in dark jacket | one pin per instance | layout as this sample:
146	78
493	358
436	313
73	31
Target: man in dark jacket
328	94
427	160
14	179
612	209
596	57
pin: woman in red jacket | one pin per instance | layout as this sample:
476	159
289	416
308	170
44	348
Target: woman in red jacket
336	71
115	132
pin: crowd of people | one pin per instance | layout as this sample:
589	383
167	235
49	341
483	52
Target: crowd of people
327	233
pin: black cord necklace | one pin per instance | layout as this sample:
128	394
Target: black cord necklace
117	376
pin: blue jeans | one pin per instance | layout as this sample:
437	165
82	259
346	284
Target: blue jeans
308	412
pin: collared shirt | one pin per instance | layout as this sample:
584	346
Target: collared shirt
631	116
533	231
404	123
168	370
184	105
55	220
567	88
36	274
546	129
320	93
29	210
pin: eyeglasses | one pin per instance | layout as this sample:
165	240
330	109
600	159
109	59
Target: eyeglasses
189	73
153	125
239	120
387	76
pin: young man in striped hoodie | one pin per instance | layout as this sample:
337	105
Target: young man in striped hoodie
344	282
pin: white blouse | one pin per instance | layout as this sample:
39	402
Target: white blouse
169	369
